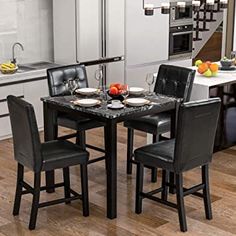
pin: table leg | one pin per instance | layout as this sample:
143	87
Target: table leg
172	135
50	133
111	155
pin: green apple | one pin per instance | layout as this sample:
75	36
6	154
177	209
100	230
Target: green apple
208	73
214	73
198	62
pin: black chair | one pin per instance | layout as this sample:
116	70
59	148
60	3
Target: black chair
31	153
171	81
193	147
57	83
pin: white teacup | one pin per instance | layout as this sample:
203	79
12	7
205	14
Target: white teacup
115	103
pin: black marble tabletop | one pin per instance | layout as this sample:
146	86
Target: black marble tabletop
157	103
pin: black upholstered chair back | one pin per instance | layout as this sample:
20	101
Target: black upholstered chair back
27	145
58	77
175	81
196	128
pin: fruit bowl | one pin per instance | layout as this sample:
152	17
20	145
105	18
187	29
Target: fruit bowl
207	69
115	96
227	63
116	91
8	68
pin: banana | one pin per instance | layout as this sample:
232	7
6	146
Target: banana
8	66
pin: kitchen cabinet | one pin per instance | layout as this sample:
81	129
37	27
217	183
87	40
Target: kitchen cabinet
31	91
93	32
136	75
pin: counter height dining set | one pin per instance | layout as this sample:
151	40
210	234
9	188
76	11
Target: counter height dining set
192	127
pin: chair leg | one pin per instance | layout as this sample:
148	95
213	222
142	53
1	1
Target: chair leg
180	202
153	169
84	188
139	188
130	138
19	186
35	202
66	177
164	193
81	139
206	192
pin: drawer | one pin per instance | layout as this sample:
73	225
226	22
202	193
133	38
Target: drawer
4	108
5	127
16	89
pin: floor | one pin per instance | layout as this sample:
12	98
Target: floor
155	220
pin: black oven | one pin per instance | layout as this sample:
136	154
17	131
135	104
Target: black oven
181	41
181	16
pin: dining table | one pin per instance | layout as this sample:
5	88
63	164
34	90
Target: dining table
110	118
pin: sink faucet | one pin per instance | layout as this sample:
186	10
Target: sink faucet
13	51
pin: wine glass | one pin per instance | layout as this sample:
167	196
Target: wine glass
98	76
125	91
149	81
71	83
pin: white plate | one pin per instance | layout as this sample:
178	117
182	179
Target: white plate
136	90
86	91
115	107
136	102
86	102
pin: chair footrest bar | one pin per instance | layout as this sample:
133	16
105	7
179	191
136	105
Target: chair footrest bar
58	201
193	189
156	199
155	191
28	188
58	185
95	148
97	159
74	193
68	136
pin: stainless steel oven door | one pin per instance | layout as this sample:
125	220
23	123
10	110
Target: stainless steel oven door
181	42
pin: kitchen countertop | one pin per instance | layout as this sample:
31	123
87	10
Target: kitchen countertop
24	76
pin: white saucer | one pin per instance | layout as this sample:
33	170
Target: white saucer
137	102
86	91
115	107
86	102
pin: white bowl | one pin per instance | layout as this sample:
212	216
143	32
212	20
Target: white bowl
136	90
86	91
86	102
137	102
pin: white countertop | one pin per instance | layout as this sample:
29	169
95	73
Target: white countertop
223	77
6	78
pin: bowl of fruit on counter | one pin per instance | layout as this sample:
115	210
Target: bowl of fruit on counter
118	91
8	68
207	68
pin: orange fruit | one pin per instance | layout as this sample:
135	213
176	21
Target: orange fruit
208	63
214	67
202	68
114	91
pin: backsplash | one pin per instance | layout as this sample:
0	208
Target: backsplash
30	23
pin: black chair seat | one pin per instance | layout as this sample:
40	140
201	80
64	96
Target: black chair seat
60	153
159	154
78	124
153	124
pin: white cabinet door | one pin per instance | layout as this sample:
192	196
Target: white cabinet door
64	28
17	90
33	91
147	37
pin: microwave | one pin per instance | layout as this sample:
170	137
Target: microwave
181	16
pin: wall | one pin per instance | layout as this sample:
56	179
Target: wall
30	23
